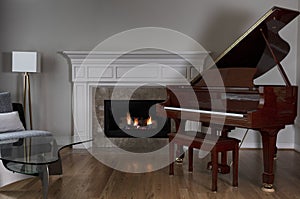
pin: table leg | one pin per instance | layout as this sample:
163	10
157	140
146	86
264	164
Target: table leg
44	177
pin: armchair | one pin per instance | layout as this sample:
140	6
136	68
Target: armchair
54	168
30	152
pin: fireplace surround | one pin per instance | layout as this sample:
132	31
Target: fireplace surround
92	71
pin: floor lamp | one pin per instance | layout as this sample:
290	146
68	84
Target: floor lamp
26	62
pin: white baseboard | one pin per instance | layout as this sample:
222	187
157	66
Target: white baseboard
256	145
286	145
251	145
297	147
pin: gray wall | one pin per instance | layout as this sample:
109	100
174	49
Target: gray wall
49	26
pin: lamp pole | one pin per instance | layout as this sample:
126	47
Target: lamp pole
26	92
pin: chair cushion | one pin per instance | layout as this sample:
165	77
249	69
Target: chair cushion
10	122
5	102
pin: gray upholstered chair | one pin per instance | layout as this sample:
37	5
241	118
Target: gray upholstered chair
5	107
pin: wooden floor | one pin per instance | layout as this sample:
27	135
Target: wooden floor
85	177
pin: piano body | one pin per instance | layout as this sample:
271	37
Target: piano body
237	102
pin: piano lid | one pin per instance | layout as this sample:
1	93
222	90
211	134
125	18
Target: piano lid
250	50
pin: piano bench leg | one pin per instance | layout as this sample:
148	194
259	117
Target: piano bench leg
191	159
235	166
171	155
214	160
171	169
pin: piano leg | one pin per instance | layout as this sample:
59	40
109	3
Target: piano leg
179	154
275	154
179	151
171	155
269	137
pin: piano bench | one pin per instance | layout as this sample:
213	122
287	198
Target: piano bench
223	144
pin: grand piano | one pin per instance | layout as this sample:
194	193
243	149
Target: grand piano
236	101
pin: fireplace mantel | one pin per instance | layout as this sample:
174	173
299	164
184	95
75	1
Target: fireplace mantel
146	67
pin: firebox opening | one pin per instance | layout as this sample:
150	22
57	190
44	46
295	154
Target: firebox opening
134	118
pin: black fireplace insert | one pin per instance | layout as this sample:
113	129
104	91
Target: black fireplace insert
134	118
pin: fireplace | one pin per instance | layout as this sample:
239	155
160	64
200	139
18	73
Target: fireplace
134	118
115	68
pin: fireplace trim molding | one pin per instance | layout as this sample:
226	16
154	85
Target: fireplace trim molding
158	67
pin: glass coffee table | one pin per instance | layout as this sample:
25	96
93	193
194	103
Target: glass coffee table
33	155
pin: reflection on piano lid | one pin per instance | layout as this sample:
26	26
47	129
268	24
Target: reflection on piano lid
204	111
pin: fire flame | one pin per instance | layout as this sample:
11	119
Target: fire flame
128	118
149	121
135	122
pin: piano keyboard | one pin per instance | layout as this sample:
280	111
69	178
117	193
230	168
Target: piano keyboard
203	111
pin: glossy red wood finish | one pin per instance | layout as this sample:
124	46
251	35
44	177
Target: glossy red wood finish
266	109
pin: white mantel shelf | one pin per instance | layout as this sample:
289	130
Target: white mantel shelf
139	66
108	68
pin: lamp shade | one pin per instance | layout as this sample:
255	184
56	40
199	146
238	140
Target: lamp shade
25	62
